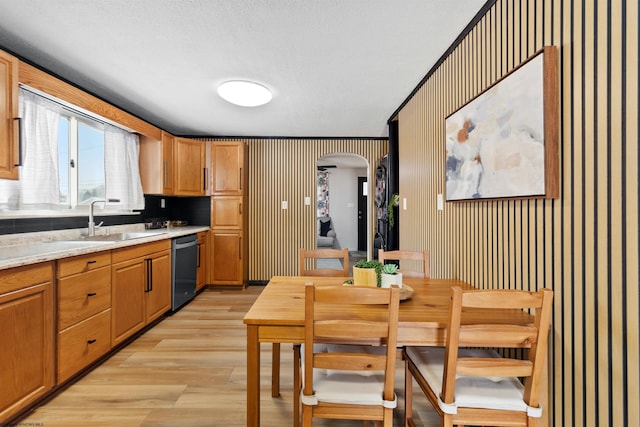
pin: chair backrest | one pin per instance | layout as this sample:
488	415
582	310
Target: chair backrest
315	254
375	322
399	255
497	334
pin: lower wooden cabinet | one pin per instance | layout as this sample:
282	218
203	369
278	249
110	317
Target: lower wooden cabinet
27	336
158	291
84	312
201	276
83	343
141	287
228	257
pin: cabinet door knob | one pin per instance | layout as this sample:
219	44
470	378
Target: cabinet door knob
91	341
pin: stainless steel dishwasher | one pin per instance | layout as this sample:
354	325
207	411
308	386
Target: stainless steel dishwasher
184	259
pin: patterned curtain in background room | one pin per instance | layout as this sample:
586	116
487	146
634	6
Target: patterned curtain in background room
323	193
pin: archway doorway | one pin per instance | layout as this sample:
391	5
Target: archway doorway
343	197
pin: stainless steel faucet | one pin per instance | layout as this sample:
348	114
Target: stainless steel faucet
92	224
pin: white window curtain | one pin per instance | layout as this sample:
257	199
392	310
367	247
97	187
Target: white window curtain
39	187
122	173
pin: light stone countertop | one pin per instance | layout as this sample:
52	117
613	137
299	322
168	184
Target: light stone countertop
30	248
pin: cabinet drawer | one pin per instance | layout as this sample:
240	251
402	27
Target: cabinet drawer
83	295
83	343
16	278
138	251
83	263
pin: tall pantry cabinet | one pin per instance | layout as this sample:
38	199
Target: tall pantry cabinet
228	241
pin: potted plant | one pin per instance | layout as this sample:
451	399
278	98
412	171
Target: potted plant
367	273
393	201
390	276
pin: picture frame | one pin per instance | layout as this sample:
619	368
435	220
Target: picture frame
504	142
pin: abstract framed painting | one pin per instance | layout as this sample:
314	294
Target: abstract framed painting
504	142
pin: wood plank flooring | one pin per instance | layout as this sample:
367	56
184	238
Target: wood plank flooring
189	370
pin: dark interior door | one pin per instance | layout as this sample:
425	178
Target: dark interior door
362	214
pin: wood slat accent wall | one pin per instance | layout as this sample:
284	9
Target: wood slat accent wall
583	245
285	169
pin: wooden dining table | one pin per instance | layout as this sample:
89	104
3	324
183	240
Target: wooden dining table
277	316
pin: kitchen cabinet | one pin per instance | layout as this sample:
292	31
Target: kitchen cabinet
190	169
27	336
228	263
84	311
229	168
228	246
9	125
168	175
157	164
173	166
227	212
201	275
141	287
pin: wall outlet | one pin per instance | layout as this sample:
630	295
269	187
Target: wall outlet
285	204
440	202
163	203
307	201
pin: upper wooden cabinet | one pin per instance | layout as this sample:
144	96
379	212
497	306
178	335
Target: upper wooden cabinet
9	125
168	175
173	166
228	164
191	172
157	164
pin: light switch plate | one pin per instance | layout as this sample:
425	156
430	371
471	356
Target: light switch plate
285	204
440	202
307	200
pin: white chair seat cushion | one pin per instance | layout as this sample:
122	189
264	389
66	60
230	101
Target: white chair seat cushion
349	387
470	392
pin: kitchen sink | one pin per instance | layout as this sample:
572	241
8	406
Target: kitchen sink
118	237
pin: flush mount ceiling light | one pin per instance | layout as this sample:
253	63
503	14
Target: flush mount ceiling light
244	93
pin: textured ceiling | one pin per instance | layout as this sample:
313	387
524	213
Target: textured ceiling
337	68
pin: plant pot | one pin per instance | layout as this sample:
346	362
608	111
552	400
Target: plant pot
365	277
391	279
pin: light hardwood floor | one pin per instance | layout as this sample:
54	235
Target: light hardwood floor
189	370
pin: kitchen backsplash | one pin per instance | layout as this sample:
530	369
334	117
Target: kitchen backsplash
194	210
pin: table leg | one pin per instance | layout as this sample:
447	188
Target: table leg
275	370
253	377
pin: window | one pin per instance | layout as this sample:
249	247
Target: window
80	161
71	157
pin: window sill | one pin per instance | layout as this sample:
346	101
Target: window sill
9	214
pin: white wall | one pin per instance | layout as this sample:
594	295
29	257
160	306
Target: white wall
343	204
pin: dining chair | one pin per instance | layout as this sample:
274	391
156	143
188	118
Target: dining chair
306	256
469	382
399	255
348	363
311	256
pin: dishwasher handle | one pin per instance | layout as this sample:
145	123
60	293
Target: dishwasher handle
177	244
